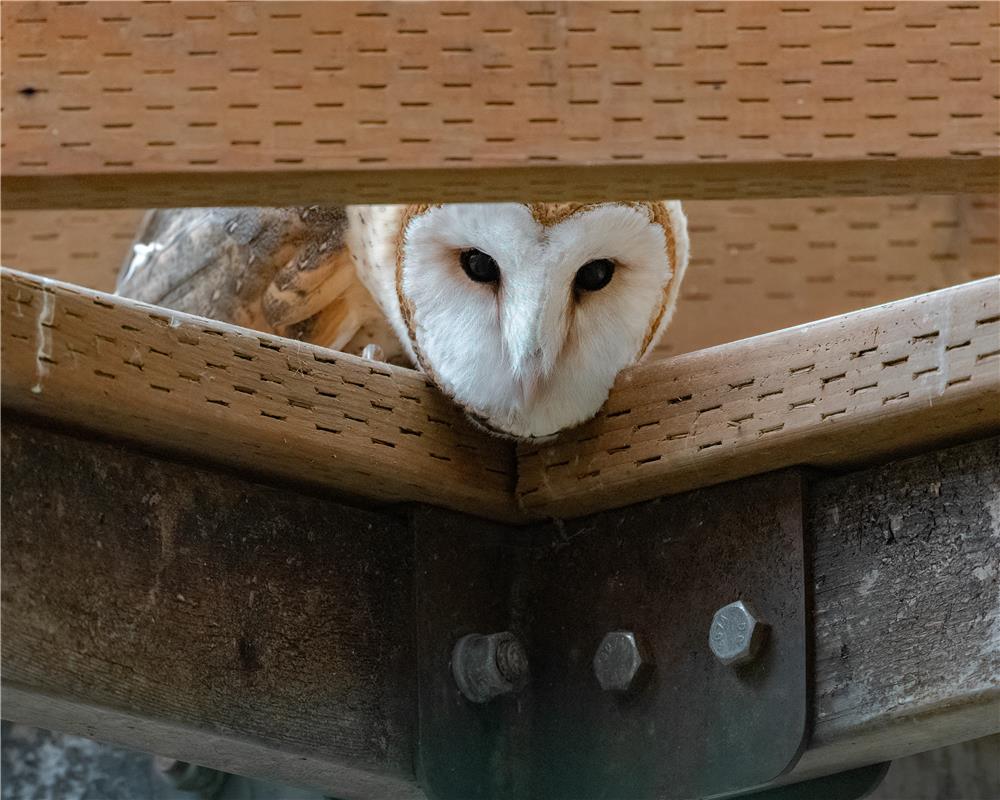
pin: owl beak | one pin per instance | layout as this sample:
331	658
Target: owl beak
530	362
526	359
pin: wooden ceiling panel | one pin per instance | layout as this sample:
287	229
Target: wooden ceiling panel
286	103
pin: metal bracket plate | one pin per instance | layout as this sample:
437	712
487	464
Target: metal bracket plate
465	571
697	728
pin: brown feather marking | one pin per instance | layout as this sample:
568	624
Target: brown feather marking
405	306
661	216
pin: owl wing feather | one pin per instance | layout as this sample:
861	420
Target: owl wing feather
285	271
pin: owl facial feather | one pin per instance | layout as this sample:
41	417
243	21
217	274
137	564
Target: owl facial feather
529	355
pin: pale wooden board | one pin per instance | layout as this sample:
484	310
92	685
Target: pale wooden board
760	266
831	393
865	385
85	247
243	398
118	104
756	266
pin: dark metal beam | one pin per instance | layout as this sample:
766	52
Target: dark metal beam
195	614
274	633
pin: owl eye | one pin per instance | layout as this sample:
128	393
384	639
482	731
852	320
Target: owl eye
594	275
479	266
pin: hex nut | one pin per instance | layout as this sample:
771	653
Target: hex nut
737	634
621	662
485	667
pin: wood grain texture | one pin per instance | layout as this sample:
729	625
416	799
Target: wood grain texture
907	607
118	104
200	615
904	376
756	266
865	385
246	399
763	265
85	247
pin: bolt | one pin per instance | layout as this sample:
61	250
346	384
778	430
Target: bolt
621	662
485	667
185	777
737	634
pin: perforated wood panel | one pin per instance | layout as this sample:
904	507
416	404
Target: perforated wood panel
356	100
914	373
757	266
830	393
82	247
769	264
251	400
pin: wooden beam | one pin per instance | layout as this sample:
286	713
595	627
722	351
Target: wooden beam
759	266
139	105
86	247
246	399
863	386
756	267
906	565
199	615
190	613
902	377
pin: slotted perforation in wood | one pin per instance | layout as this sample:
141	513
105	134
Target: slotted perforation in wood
256	401
756	266
84	247
124	88
765	265
838	392
831	392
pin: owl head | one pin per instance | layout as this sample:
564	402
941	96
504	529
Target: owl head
525	314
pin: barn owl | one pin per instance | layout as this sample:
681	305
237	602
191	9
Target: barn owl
523	314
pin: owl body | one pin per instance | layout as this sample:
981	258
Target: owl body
523	314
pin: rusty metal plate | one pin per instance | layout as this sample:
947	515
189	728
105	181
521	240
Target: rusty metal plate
465	573
695	728
698	728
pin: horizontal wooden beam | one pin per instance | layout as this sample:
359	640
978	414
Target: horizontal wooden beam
863	386
756	266
252	630
245	399
500	184
291	103
898	378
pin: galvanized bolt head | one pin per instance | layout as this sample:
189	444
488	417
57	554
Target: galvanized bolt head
737	634
621	662
485	667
